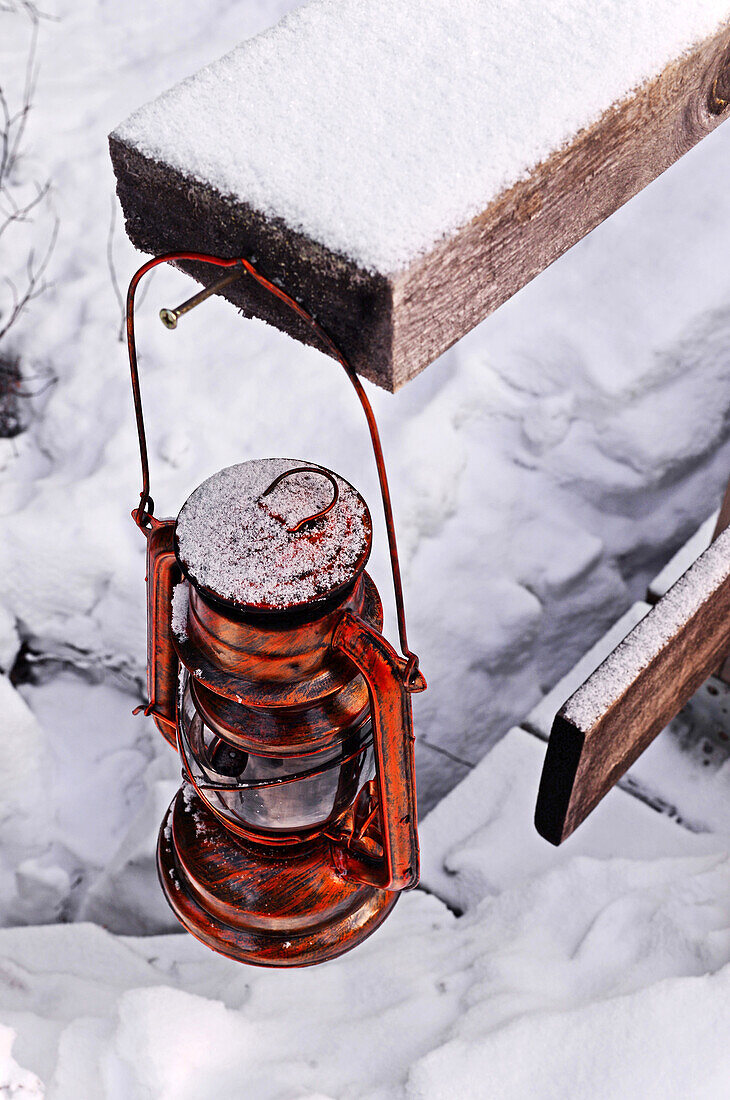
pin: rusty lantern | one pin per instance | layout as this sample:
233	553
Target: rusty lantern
295	828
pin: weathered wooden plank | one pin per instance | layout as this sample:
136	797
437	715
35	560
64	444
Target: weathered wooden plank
628	700
723	522
394	322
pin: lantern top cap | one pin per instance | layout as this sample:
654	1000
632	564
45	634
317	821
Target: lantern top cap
259	550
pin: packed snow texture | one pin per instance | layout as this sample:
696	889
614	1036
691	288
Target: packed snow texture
378	128
245	541
179	610
542	472
600	969
85	785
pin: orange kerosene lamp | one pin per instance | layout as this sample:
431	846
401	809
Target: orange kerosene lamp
295	829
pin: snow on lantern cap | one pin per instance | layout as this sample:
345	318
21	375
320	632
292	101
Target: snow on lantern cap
273	534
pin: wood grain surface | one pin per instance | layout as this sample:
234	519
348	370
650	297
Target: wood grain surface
599	732
391	327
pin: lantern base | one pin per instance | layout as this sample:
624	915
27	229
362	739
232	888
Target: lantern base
261	904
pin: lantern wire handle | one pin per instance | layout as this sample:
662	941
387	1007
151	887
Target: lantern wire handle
143	514
307	470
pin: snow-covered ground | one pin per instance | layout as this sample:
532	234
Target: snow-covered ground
599	970
542	472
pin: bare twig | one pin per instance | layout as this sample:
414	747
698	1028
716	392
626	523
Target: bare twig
20	202
15	205
20	213
112	269
28	7
35	283
5	135
48	381
14	124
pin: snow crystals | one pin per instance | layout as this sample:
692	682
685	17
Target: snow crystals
241	544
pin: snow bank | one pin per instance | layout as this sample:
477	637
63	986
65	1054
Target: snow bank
16	1083
481	840
79	815
557	973
663	1042
377	129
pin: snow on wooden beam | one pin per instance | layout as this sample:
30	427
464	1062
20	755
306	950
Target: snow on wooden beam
402	169
609	721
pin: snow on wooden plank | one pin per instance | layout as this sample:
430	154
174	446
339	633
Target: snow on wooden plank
681	561
609	721
404	168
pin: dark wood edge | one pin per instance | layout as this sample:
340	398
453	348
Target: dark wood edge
556	782
166	211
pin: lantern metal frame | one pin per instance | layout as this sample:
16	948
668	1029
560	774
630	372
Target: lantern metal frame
293	896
